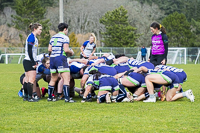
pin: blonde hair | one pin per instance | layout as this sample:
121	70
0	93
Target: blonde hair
95	40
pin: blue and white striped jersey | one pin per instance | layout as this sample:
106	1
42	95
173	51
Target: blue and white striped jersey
57	42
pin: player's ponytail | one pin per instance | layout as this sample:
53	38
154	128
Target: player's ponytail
158	26
34	26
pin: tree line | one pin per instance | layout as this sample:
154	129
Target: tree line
180	19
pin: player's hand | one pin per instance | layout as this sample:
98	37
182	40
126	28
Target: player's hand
163	62
70	61
35	66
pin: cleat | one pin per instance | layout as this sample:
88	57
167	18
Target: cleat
126	99
69	101
51	99
20	94
189	95
162	95
94	97
130	97
36	98
89	100
150	100
113	99
61	97
25	99
83	100
108	96
32	100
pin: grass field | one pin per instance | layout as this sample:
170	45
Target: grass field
19	116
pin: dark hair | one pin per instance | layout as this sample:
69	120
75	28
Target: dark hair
62	26
84	68
34	26
159	26
119	55
45	59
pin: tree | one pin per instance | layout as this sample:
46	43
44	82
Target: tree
73	40
31	11
118	33
4	3
178	30
196	32
73	43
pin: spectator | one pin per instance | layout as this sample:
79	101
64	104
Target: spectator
143	53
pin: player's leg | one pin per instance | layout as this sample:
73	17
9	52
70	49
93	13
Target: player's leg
150	79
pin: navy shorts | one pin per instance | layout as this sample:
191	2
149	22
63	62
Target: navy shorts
171	78
148	65
182	76
121	69
108	84
59	64
137	79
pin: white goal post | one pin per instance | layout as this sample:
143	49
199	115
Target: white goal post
6	56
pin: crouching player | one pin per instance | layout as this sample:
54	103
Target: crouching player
166	78
107	85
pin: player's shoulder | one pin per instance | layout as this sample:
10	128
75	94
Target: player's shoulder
31	37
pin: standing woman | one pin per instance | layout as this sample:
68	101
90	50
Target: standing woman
88	48
29	61
59	48
159	48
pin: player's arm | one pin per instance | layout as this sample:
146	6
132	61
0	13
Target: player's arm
83	80
50	49
120	60
67	50
93	51
98	62
84	61
141	69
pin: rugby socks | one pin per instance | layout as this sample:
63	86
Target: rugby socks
123	94
30	90
34	94
152	96
146	94
50	90
183	93
102	98
25	89
66	91
59	94
89	96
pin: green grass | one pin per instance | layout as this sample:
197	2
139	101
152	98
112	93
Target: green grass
19	116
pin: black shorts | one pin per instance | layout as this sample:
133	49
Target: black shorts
21	78
28	65
156	59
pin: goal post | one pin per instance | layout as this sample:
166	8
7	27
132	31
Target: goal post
12	54
175	55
